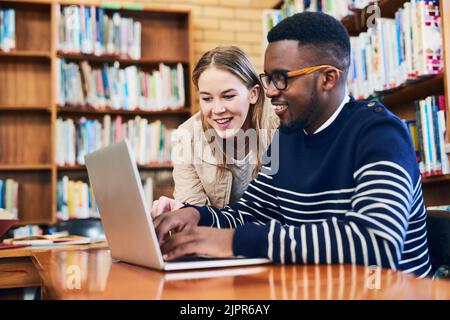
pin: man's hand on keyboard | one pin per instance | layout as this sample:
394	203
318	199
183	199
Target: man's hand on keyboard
199	241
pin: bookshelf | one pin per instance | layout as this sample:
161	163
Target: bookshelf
28	96
400	100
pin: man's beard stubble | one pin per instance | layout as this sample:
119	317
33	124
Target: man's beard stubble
299	124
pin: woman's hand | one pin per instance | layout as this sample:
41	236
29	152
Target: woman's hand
164	204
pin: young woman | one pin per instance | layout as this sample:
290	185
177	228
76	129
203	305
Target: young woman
213	161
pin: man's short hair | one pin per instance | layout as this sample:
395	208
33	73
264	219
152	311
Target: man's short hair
319	30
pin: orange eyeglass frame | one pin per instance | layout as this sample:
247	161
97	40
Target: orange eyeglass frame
309	70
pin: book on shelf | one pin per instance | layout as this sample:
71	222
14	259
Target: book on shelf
440	208
113	87
428	135
9	197
390	53
291	7
336	8
7	30
271	17
397	51
89	30
147	184
151	142
75	199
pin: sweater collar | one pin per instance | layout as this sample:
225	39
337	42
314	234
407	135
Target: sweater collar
333	116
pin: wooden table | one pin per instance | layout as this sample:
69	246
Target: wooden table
91	274
17	269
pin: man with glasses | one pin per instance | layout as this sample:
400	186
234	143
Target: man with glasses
348	186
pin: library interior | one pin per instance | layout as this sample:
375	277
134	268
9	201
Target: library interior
78	76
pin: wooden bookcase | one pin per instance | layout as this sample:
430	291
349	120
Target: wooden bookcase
28	109
436	189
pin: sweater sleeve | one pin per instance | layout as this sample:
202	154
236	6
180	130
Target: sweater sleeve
373	231
258	205
387	183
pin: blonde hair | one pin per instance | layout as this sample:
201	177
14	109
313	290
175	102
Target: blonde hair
235	61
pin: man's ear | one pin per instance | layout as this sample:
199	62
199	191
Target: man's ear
330	78
254	93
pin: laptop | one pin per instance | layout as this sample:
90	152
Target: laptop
125	215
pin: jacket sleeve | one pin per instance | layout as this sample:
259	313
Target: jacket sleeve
188	186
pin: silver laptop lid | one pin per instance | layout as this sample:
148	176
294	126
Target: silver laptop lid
120	198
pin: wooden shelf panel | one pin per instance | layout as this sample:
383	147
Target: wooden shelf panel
437	179
85	110
420	89
159	191
356	23
25	167
45	55
24	83
277	4
169	43
25	138
35	195
25	108
27	2
124	61
436	194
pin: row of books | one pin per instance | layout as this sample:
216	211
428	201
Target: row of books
113	87
75	199
89	30
9	194
150	141
270	18
7	30
398	50
428	136
337	8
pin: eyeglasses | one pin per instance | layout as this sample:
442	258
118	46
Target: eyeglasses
279	78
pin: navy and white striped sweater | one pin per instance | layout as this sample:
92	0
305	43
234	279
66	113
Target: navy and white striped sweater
348	194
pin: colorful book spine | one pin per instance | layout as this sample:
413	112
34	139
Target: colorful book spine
77	140
75	200
9	197
130	88
428	136
441	123
7	30
397	50
90	30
